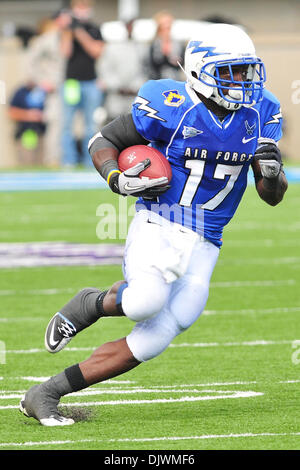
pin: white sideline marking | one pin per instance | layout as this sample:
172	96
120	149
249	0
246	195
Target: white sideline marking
21	319
151	387
244	343
67	290
70	290
43	379
37	350
5	395
208	436
289	382
42	443
267	242
133	389
265	226
150	439
263	261
247	311
259	342
228	394
129	382
266	283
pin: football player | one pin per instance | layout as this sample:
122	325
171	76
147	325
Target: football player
211	128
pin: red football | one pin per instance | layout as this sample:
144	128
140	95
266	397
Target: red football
137	153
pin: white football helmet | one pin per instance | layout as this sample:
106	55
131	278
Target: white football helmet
224	46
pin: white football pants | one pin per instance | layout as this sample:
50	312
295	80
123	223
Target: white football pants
168	270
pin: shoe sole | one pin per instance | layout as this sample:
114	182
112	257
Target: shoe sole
49	422
22	408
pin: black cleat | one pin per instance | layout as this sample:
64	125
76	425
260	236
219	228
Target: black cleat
58	333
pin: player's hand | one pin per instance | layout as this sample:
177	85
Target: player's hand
129	183
269	158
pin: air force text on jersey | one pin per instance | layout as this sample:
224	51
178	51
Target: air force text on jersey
191	152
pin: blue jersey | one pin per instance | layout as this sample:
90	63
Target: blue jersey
209	158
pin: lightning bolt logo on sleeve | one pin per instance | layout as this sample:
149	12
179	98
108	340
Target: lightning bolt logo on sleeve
150	112
275	119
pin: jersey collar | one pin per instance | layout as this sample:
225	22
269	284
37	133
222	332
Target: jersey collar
192	94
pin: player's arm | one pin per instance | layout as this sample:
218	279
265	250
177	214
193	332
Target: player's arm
270	180
105	148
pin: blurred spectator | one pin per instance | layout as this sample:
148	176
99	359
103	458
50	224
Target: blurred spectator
122	73
82	45
27	110
165	51
46	65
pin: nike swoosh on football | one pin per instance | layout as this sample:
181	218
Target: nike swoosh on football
245	141
51	338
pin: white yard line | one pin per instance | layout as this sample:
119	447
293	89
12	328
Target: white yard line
227	394
249	311
31	378
270	226
265	283
258	342
219	284
67	290
7	394
131	383
267	242
246	311
148	439
260	261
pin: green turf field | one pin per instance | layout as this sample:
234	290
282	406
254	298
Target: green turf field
230	382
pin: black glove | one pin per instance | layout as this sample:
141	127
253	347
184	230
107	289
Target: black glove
269	157
153	193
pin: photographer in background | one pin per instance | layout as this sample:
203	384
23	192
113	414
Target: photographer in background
81	45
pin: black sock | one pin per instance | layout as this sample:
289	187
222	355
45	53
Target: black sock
99	304
75	378
68	381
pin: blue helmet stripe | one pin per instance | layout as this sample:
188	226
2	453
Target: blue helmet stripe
208	50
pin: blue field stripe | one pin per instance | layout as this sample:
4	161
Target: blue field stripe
50	181
78	180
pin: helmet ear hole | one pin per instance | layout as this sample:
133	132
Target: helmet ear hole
193	73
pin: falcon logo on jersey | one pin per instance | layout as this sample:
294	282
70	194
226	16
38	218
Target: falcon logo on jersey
173	98
250	129
190	132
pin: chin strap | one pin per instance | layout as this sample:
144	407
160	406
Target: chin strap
225	104
235	94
